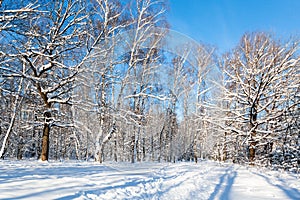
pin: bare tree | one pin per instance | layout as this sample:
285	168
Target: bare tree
141	63
256	87
50	45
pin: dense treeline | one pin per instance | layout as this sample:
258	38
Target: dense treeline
107	80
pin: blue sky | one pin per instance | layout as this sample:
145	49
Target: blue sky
223	22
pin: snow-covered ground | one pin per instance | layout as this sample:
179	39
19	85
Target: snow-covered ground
88	180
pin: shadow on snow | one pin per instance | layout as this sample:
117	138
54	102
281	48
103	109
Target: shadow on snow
226	181
293	193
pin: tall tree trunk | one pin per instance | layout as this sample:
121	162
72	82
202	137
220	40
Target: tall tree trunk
45	142
224	158
101	145
133	148
46	133
252	152
116	149
143	149
253	118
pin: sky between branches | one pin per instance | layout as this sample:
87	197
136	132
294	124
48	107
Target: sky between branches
223	22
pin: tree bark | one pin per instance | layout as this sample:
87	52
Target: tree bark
253	118
133	148
45	140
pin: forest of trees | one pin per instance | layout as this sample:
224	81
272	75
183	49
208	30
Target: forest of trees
107	80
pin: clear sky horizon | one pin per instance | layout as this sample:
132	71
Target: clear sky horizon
222	23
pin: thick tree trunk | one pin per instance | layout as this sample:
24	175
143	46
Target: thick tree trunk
251	153
20	150
100	146
45	140
101	154
253	118
252	147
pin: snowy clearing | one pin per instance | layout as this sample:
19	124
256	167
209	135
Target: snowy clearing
88	180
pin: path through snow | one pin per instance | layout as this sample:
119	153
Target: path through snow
205	180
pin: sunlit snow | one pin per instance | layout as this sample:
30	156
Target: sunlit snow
89	180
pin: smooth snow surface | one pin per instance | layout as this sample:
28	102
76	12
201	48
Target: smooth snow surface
87	180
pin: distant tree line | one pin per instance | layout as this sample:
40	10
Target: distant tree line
97	79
